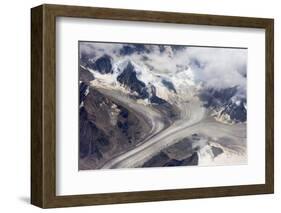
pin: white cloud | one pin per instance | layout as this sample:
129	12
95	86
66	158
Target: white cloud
99	49
223	67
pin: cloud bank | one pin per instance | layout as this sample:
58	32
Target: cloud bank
213	67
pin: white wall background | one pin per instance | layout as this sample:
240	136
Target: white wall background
15	105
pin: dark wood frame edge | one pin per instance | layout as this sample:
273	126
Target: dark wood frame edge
43	105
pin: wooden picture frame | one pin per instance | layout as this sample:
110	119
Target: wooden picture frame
43	105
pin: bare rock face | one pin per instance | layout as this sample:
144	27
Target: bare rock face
85	75
129	79
103	64
181	153
163	160
106	129
225	102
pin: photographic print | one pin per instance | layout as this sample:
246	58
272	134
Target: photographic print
158	105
